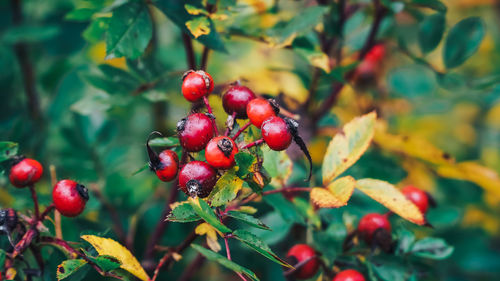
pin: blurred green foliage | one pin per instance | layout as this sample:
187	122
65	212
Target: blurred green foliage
95	77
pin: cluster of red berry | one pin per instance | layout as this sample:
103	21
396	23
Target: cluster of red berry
372	228
198	131
68	197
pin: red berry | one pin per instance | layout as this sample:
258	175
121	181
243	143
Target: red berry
196	84
195	131
168	166
26	172
370	223
417	196
276	133
302	252
259	110
197	178
70	197
376	53
349	275
220	152
236	100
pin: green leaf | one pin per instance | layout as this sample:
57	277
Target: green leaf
8	150
130	30
96	29
348	146
198	26
177	13
106	263
68	267
248	219
432	248
192	10
432	4
256	244
431	31
405	240
244	162
412	80
390	271
226	189
183	213
309	18
206	213
277	164
213	256
27	33
84	14
169	141
285	208
462	41
2	258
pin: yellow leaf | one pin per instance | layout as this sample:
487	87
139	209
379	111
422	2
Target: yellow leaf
109	247
198	26
348	146
473	172
211	233
335	195
474	216
413	146
389	196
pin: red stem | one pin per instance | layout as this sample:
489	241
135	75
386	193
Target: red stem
160	265
241	130
252	144
228	252
35	201
209	109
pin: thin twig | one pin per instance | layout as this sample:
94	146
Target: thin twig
380	12
209	109
228	253
188	47
241	130
115	216
57	215
192	268
28	74
254	143
204	58
35	201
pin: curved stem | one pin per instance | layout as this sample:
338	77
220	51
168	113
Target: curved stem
209	109
241	130
252	144
228	253
35	201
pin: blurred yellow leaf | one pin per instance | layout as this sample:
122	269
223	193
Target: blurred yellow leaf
97	53
413	146
335	195
211	233
493	117
348	146
389	196
198	26
474	216
473	172
109	247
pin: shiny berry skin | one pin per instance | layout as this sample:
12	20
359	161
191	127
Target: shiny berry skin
417	196
301	252
196	84
25	173
349	275
69	197
259	110
276	134
197	178
376	53
370	223
236	100
195	131
220	152
168	167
